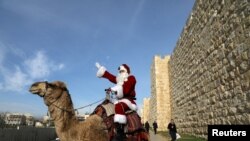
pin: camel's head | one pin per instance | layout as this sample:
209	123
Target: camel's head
39	88
48	90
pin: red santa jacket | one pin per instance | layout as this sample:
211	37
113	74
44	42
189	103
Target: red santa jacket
127	89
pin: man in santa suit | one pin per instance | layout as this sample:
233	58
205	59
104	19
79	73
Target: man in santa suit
125	93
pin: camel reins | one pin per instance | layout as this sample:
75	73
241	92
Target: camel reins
52	103
64	109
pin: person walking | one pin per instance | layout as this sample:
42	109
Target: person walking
172	130
155	126
147	126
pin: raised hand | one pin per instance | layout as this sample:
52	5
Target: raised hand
97	65
101	70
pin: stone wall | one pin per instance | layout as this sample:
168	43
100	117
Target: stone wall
160	109
145	110
210	67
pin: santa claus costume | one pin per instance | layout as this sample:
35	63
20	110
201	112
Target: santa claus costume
125	91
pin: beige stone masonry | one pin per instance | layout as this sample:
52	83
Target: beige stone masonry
210	67
207	78
159	106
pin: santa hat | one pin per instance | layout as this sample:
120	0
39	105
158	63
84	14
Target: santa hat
125	68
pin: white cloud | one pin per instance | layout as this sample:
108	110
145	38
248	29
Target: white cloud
41	66
25	71
17	80
61	66
38	67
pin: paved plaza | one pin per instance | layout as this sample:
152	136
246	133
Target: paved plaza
157	137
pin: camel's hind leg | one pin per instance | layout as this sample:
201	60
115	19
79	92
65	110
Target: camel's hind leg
141	136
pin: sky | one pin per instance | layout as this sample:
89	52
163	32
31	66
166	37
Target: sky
63	39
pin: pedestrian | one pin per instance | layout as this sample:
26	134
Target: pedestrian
155	126
147	126
172	130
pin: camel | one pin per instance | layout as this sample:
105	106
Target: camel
60	106
97	127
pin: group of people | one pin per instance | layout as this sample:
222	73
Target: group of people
171	128
155	126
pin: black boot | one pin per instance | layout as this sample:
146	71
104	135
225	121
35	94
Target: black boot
120	135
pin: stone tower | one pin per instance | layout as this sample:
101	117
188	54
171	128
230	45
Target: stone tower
145	111
160	108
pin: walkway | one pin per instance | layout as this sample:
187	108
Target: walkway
157	137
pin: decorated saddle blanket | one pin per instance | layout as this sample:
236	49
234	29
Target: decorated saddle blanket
133	119
133	122
109	108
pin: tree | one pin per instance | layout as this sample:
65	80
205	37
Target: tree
2	122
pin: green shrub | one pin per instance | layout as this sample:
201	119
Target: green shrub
2	123
184	137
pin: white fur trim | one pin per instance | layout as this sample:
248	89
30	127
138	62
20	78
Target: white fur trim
120	119
120	83
101	71
119	90
129	103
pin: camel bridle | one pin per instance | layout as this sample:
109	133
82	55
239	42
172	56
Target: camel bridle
56	99
47	85
45	90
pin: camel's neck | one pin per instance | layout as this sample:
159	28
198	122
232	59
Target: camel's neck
63	114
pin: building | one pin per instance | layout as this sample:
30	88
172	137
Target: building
30	121
19	119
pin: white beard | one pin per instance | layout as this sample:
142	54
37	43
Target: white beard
121	78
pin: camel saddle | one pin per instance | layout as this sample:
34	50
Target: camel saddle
133	119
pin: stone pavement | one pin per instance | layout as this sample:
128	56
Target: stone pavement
157	137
